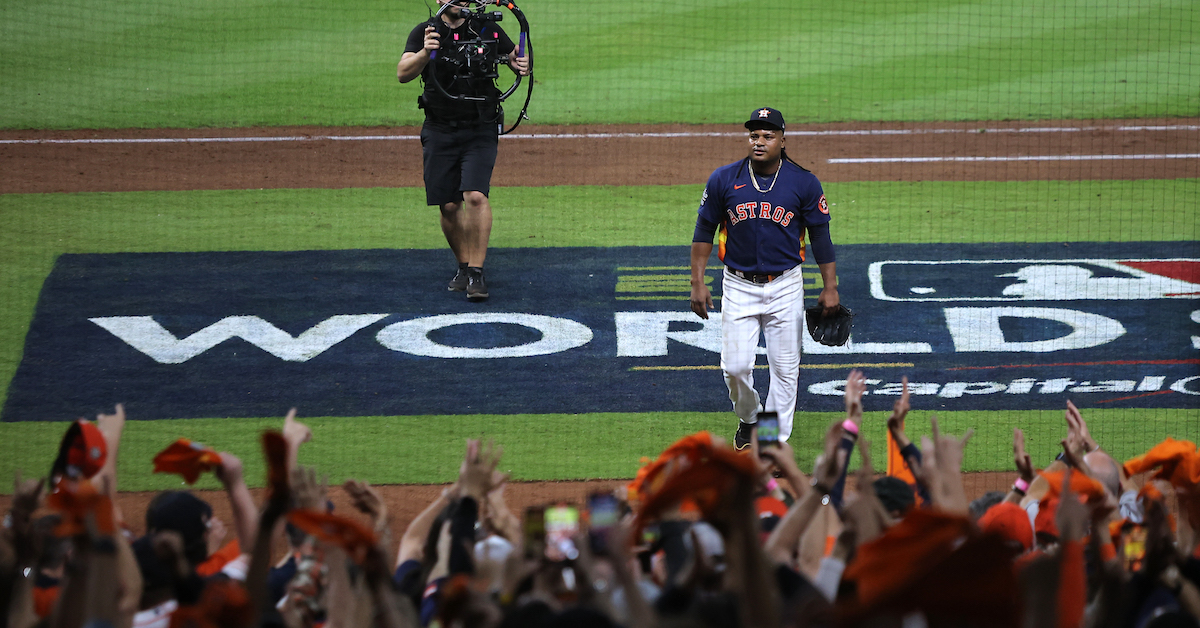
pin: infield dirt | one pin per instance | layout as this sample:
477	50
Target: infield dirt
305	157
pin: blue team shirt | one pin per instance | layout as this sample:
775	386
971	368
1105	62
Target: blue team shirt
760	232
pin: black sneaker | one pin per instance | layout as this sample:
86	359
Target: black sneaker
459	283
741	439
476	288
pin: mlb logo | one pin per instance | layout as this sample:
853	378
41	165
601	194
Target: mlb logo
1035	280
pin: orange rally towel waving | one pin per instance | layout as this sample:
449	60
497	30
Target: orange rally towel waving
186	458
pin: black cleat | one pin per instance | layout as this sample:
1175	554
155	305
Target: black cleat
476	288
744	435
459	283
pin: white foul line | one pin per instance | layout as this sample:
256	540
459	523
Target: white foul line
920	160
569	136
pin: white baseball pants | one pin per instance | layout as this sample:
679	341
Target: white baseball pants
776	310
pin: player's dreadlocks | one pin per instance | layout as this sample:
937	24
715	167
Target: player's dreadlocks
784	156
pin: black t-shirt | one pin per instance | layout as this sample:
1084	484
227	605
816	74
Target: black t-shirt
438	106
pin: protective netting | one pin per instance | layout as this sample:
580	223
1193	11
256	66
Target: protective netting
1020	177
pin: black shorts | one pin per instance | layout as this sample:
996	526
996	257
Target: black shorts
458	159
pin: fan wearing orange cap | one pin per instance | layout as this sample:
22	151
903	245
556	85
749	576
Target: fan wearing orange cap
84	482
1011	523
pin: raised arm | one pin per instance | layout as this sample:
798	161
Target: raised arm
241	503
1024	465
412	63
856	385
784	459
785	538
367	500
412	543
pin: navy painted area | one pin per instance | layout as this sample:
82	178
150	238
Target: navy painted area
351	333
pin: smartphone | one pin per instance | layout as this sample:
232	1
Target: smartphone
651	534
768	429
603	513
533	527
1134	548
562	524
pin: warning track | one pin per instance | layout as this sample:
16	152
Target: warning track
310	157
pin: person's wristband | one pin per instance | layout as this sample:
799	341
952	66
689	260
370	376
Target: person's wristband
1021	485
850	427
772	484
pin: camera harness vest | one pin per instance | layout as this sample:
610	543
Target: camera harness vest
524	48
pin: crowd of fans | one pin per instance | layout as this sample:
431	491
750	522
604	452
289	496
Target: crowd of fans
703	536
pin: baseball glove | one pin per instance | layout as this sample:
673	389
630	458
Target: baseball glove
833	330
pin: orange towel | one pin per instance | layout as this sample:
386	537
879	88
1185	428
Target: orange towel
353	537
223	604
74	500
217	560
1177	461
693	469
187	458
938	563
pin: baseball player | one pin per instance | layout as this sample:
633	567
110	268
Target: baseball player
759	208
459	140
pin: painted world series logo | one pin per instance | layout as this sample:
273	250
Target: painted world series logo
369	332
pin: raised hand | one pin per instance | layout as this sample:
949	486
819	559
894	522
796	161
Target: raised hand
295	434
829	466
365	498
1075	420
476	473
895	422
1021	459
230	471
941	469
27	495
783	457
856	385
308	492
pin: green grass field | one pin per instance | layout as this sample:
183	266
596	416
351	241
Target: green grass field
42	226
154	63
150	63
426	450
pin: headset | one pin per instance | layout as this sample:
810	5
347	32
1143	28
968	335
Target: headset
478	57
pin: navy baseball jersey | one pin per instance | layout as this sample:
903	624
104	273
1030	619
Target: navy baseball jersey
760	231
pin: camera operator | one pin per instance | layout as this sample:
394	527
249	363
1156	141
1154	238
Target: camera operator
460	137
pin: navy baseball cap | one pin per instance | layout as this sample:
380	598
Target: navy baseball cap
765	118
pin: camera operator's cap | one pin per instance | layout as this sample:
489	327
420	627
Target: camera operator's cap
765	118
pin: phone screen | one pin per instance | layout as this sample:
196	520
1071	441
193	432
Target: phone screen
1134	548
562	524
603	513
768	429
534	528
